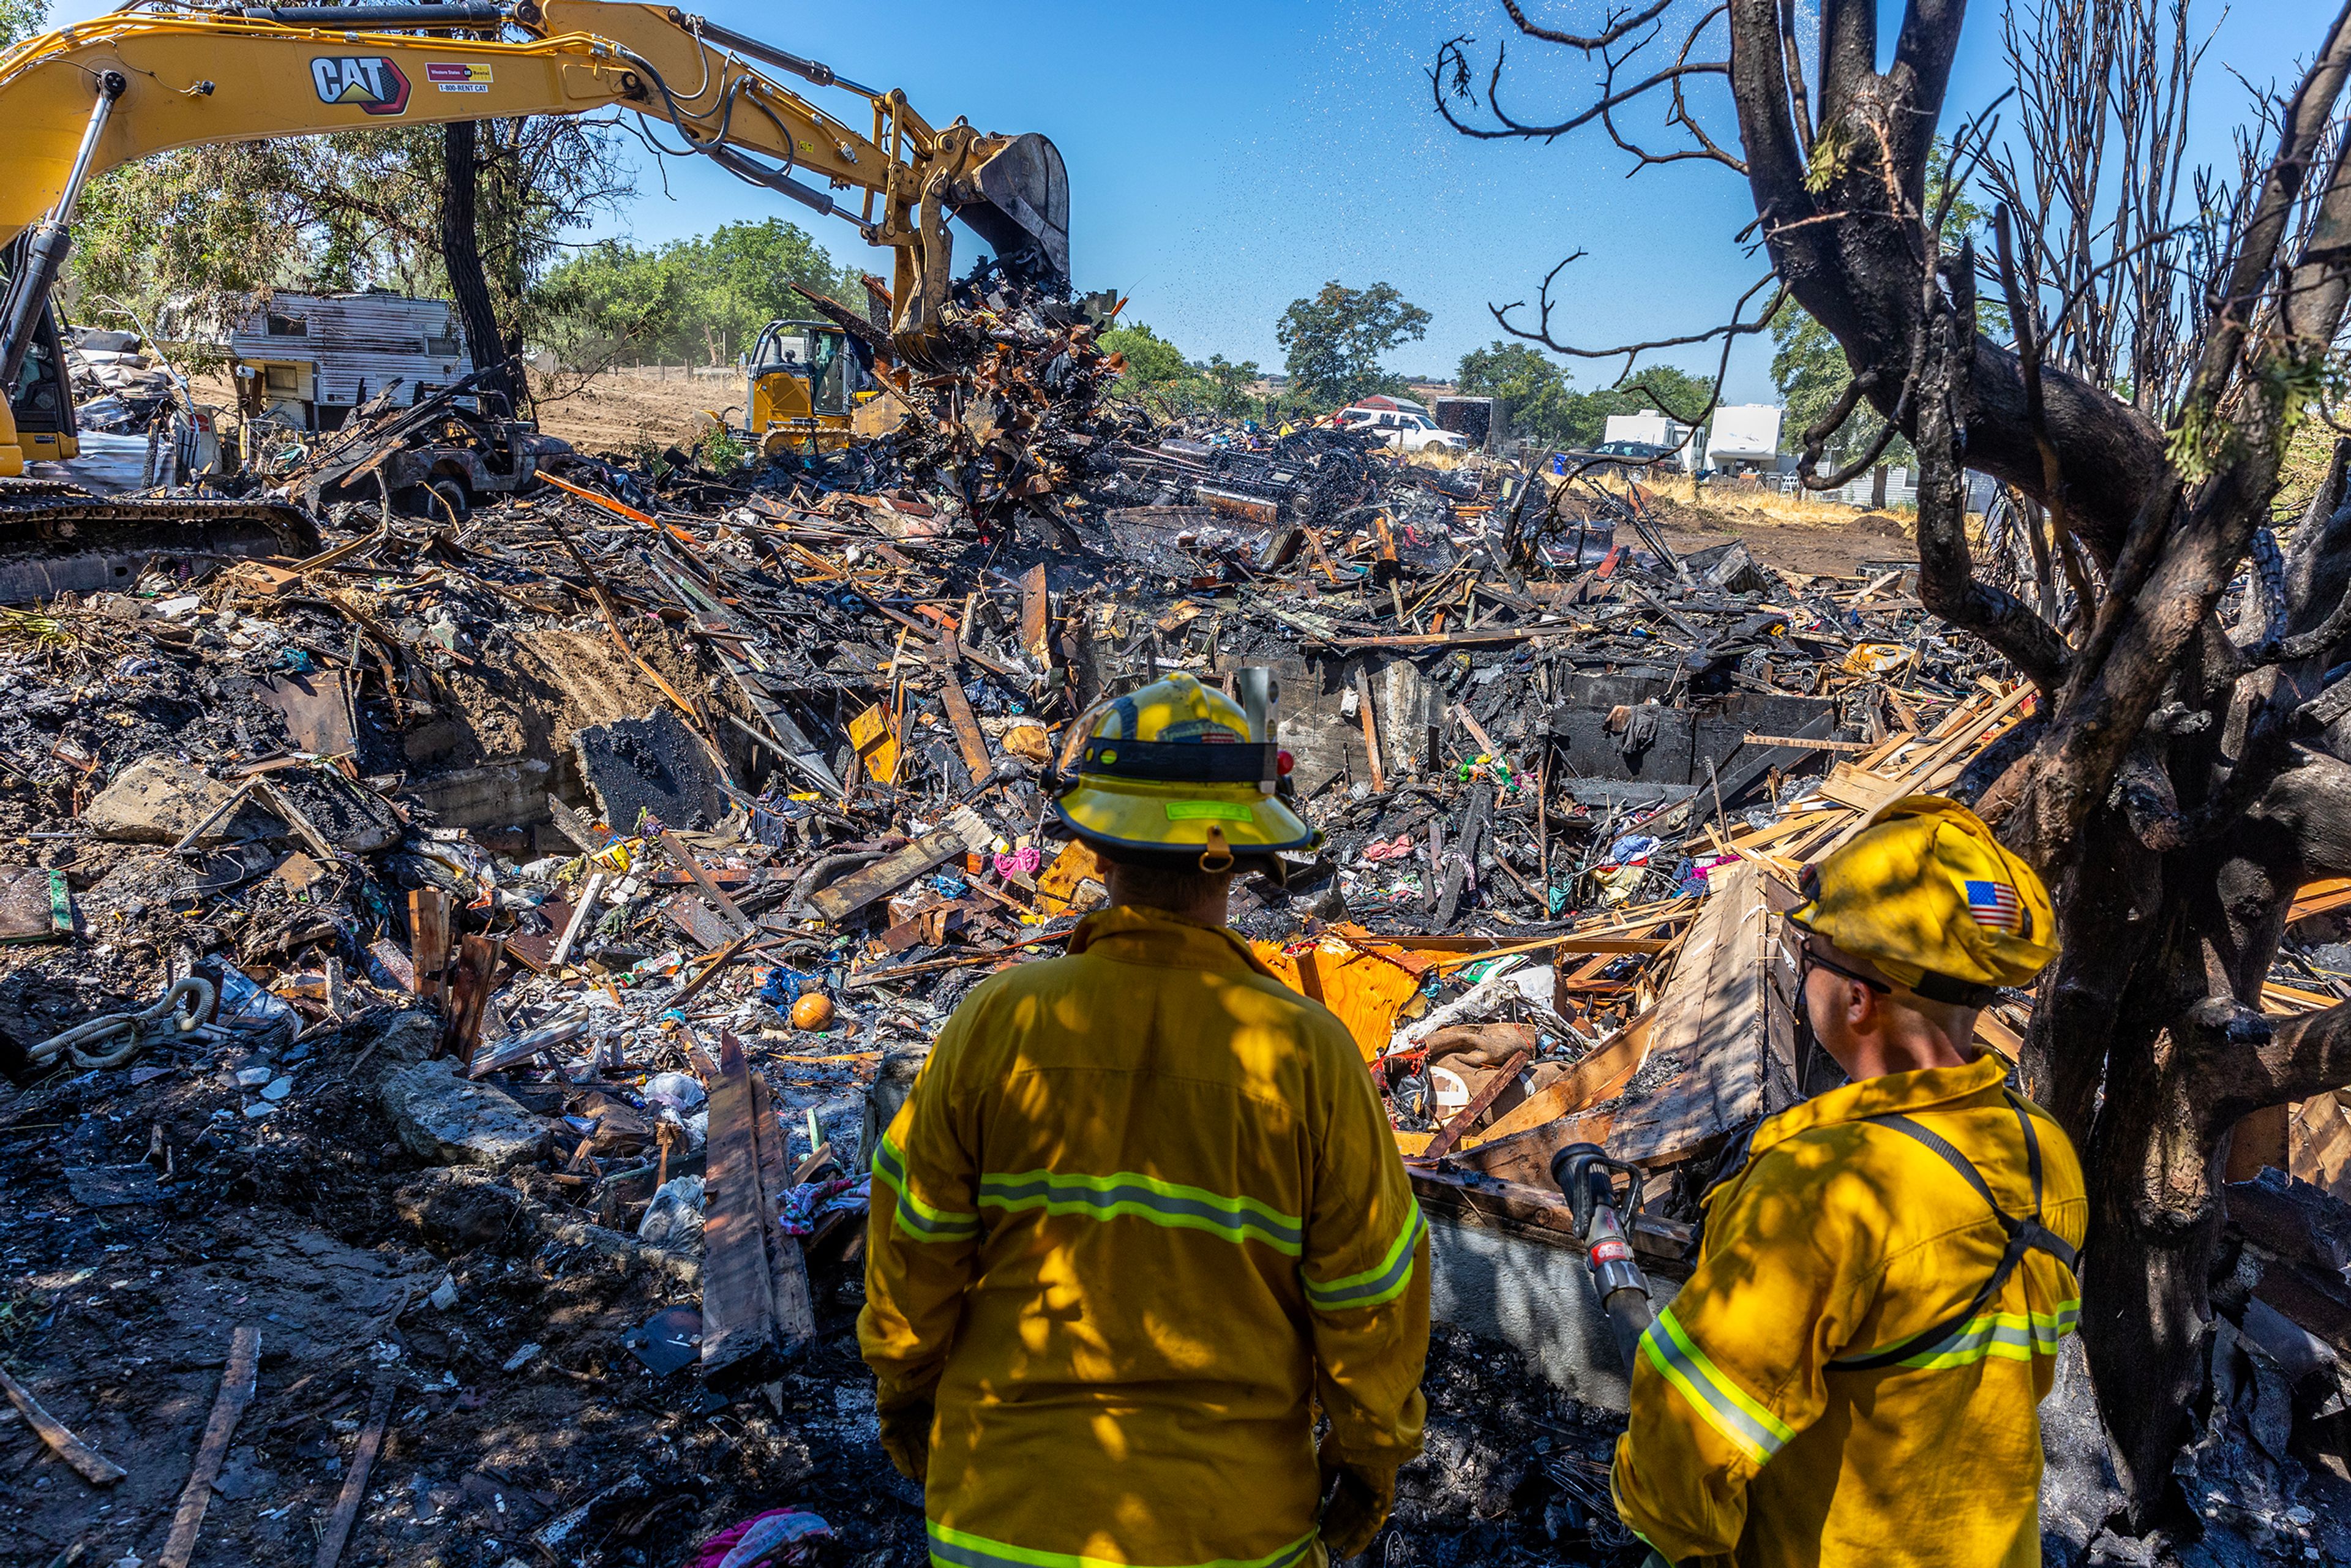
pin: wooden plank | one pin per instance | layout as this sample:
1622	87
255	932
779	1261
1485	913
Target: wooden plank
1711	1024
1602	1074
1964	731
966	724
1803	743
1451	1134
355	1484
428	940
738	1292
589	909
1525	1157
236	1392
2319	1146
787	1268
886	875
88	1462
2259	1140
2320	897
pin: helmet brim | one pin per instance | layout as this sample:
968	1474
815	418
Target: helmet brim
1140	815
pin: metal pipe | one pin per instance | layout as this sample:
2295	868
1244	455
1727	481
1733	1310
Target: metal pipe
351	19
816	72
758	173
45	247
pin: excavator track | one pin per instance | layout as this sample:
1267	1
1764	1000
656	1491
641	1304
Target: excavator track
57	537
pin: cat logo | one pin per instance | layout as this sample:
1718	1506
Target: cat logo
371	81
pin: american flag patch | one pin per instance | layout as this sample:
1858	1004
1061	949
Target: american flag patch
1994	903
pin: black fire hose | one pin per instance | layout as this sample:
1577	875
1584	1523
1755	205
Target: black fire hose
1588	1178
1590	1181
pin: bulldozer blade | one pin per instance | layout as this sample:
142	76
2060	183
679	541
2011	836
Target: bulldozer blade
58	538
1023	211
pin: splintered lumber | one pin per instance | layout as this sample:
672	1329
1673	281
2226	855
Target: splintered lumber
590	902
1603	1074
469	994
236	1392
1370	730
1035	617
88	1463
355	1485
963	831
740	1327
1713	1022
787	1268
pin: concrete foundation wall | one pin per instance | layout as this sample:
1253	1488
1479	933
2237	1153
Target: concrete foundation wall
1533	1296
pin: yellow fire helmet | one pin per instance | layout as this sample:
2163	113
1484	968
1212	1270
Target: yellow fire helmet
1173	775
1929	895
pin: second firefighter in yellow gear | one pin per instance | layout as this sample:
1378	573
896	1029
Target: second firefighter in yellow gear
1141	1214
1852	1374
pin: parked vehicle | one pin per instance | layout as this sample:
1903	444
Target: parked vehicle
1405	431
1630	451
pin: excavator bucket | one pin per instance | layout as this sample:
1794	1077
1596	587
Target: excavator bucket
1023	211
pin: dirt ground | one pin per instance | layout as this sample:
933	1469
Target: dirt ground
631	408
1829	548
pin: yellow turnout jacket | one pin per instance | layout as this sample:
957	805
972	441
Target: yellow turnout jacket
1140	1211
1754	1434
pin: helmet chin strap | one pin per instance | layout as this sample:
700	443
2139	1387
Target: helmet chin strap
1216	855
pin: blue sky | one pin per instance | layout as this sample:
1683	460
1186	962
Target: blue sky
1225	158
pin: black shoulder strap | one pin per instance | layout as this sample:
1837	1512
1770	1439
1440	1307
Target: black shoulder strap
2027	1235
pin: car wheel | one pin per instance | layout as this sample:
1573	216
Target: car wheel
450	504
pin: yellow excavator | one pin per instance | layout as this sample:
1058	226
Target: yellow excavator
158	74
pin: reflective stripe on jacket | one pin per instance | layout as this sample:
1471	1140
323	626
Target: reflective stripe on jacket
1142	1210
1837	1240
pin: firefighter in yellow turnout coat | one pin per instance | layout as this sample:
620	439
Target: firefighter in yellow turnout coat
1141	1213
1852	1374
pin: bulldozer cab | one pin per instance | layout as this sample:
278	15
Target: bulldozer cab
798	395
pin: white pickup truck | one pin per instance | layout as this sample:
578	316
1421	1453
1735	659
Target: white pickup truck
1401	428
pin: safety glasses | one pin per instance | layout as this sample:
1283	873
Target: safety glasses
1808	960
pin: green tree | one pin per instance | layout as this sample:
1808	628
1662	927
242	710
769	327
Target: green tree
1156	373
20	19
1810	372
1335	340
744	275
350	211
1229	385
702	298
1584	419
1535	388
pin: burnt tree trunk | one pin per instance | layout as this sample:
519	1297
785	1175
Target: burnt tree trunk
461	258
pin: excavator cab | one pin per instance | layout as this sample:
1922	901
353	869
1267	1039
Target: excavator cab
39	407
798	397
